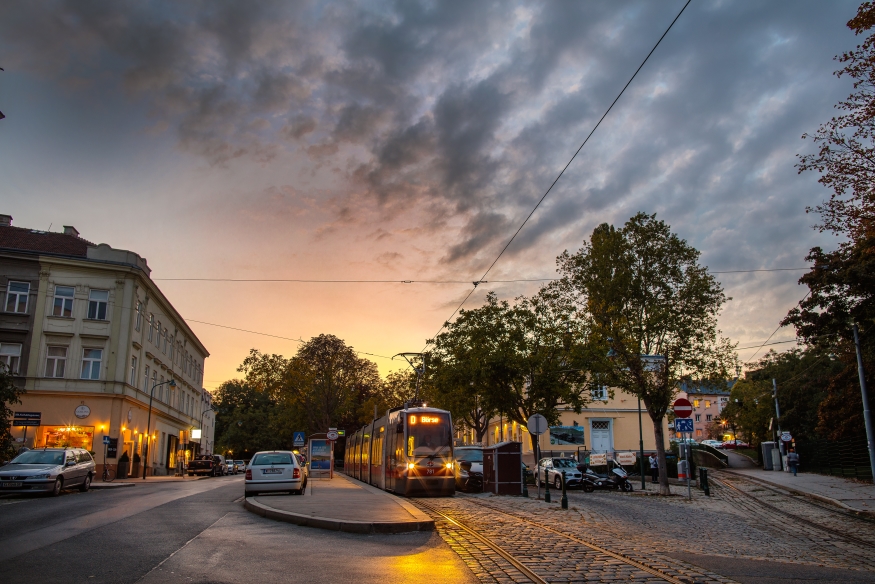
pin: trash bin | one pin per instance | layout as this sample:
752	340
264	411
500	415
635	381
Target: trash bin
682	470
776	459
768	447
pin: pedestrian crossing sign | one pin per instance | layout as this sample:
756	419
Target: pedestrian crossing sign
298	438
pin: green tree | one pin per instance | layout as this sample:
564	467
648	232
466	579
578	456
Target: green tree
247	420
10	394
641	291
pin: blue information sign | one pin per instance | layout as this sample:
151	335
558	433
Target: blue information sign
106	439
298	438
683	424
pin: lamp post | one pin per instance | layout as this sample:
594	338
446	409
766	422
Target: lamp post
172	383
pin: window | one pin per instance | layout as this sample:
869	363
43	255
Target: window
10	355
134	371
707	404
172	349
698	417
695	403
599	393
16	296
164	347
91	363
158	333
708	417
146	379
63	304
698	433
151	324
139	316
56	361
160	387
97	300
154	380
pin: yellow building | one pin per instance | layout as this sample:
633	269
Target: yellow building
91	336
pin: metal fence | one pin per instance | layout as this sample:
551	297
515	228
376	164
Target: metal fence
846	458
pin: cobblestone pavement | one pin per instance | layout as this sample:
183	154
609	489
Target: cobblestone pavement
653	530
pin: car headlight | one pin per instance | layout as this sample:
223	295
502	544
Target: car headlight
41	476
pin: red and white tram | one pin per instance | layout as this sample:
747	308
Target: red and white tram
408	451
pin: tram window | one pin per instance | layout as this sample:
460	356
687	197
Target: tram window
431	438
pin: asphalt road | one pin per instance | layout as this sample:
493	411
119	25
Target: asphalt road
198	531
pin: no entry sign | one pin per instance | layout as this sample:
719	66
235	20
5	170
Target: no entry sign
682	408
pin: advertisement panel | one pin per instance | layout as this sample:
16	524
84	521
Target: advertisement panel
320	456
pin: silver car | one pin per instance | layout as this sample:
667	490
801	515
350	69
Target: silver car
275	471
49	470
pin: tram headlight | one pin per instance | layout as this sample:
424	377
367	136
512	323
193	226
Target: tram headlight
411	466
450	465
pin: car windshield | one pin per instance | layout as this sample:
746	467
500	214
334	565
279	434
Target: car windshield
272	458
469	454
564	463
240	462
39	457
428	434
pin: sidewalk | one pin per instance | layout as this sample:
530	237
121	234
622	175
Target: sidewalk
343	504
852	495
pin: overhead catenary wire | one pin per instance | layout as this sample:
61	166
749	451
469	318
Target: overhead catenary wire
561	173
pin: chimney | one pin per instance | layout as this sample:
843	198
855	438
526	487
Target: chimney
70	230
5	220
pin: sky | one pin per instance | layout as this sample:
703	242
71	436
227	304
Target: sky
408	141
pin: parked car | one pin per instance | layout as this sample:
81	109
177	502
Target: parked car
232	466
49	470
275	471
241	466
550	470
734	444
712	443
683	441
212	465
469	468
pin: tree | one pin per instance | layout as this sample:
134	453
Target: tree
641	291
9	394
842	282
247	420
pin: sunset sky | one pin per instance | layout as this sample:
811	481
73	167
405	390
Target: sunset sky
407	141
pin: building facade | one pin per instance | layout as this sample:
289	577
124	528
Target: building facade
92	339
708	402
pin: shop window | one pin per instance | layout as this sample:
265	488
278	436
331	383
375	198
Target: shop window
97	301
91	359
16	296
67	437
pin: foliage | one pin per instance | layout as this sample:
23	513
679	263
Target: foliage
247	420
842	282
845	157
641	291
511	360
9	394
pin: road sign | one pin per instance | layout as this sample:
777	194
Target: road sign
106	440
298	439
26	418
332	435
786	437
682	408
341	432
683	425
537	424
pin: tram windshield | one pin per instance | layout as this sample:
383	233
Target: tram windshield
428	434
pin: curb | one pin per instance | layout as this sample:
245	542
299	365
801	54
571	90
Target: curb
98	486
815	496
337	524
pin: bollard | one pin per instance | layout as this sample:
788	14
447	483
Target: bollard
564	502
525	486
703	481
546	486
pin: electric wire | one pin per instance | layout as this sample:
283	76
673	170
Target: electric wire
562	172
775	331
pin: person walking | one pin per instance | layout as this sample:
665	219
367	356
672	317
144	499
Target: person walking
793	461
654	469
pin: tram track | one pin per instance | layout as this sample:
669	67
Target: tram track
592	547
843	535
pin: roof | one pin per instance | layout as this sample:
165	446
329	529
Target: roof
20	238
707	388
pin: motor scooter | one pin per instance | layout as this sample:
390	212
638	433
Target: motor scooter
617	478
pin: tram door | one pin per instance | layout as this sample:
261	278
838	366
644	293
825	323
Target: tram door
392	452
377	464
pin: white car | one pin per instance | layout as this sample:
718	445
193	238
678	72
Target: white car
712	443
275	471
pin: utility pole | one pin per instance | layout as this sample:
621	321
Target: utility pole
867	414
777	414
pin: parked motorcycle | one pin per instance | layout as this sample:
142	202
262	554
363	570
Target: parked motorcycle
617	478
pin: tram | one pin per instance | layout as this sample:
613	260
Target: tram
409	451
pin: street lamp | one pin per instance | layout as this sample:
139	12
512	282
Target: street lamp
172	383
